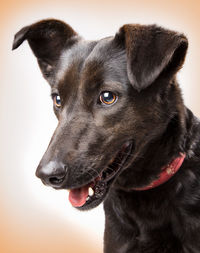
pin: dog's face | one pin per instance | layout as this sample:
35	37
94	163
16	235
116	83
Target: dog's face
110	98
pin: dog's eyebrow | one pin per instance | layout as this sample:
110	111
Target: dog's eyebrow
96	77
114	85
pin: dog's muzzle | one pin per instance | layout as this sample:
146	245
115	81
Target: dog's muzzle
86	188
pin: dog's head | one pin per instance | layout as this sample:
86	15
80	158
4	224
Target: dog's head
111	98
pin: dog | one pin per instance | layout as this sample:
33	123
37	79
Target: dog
124	136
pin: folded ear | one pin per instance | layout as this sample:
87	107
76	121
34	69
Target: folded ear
151	52
47	39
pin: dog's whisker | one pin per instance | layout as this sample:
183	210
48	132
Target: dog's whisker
89	169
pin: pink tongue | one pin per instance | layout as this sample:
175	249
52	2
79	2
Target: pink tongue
77	197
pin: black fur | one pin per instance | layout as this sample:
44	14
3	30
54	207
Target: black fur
139	65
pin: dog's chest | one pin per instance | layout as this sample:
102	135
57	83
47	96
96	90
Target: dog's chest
133	230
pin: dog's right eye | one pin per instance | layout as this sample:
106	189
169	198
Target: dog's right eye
57	101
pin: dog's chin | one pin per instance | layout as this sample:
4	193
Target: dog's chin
95	192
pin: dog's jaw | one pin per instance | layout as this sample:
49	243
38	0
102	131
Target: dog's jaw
92	194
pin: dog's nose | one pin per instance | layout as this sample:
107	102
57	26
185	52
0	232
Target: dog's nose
52	174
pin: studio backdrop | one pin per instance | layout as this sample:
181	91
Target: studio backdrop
35	218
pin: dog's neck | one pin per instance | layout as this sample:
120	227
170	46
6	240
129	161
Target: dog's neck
167	172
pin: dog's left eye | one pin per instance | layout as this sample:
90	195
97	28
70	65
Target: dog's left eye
57	101
107	97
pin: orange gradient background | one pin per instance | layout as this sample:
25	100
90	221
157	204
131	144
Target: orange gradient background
34	218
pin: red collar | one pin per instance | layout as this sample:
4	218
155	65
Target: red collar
167	172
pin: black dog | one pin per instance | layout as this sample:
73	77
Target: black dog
124	135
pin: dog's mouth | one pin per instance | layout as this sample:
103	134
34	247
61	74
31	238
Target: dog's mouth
93	193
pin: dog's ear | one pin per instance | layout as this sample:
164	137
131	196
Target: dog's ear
151	52
47	39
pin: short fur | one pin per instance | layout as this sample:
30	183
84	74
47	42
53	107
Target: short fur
139	64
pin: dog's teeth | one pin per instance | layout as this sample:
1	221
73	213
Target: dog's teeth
87	198
91	191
